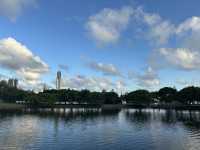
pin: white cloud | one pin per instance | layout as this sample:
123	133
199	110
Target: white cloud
149	79
181	58
185	82
106	26
92	83
120	86
16	57
80	82
188	33
162	32
159	30
186	55
150	19
13	8
191	24
106	69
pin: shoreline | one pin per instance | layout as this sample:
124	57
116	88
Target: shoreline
20	107
11	107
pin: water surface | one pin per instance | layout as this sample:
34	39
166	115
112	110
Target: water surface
89	129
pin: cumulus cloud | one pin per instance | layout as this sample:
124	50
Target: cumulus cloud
188	33
120	86
158	29
80	82
149	79
181	58
106	69
162	32
107	26
178	58
16	57
186	55
191	24
185	82
13	8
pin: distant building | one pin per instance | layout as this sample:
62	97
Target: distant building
13	83
10	82
45	87
58	80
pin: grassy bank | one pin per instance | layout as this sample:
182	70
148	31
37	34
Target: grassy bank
10	107
20	107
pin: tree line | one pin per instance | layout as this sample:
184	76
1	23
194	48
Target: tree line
166	95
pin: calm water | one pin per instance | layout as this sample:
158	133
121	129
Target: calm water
93	129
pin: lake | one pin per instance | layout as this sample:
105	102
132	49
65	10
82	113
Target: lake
96	129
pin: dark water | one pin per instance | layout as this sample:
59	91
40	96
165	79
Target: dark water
93	129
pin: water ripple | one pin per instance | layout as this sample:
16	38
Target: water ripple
81	129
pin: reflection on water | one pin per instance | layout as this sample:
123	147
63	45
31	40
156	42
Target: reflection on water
79	129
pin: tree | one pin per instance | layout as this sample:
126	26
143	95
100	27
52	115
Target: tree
84	96
154	96
138	97
189	95
167	94
96	98
111	98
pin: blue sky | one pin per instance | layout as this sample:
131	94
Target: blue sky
99	44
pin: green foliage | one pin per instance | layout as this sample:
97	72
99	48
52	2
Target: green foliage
167	94
111	98
85	96
33	99
10	94
188	95
138	97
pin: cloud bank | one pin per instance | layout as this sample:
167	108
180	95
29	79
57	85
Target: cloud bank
16	57
107	25
105	69
93	83
148	79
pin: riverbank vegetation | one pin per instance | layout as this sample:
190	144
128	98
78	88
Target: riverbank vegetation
166	95
10	106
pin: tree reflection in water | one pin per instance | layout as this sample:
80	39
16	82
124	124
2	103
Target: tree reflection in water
190	119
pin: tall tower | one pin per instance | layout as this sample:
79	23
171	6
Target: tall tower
44	87
15	83
58	80
10	82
